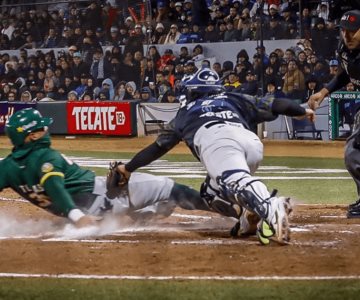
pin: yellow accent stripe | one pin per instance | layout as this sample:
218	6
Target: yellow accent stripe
47	175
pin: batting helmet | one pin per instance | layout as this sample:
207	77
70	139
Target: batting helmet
204	81
23	122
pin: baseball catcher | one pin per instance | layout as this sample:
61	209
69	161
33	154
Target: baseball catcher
218	129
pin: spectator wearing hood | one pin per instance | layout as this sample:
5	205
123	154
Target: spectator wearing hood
25	96
312	87
130	88
146	96
108	86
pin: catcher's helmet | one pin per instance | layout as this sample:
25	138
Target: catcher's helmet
23	122
204	81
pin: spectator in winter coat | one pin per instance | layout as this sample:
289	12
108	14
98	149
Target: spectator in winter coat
107	85
294	81
146	96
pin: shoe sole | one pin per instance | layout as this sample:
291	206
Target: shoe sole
280	234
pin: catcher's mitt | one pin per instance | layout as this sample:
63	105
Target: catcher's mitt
116	181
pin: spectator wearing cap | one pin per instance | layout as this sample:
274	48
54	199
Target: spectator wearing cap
177	13
232	81
186	36
159	34
100	68
274	61
78	66
190	67
33	88
187	6
294	81
146	96
66	38
274	12
250	86
274	30
288	19
100	36
114	38
72	96
334	68
173	35
80	89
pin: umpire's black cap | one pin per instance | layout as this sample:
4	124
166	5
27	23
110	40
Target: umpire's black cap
350	20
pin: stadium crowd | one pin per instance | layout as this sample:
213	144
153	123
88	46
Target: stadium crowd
104	57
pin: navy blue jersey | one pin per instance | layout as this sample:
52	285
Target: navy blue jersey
236	108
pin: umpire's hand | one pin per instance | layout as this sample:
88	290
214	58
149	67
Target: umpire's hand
316	99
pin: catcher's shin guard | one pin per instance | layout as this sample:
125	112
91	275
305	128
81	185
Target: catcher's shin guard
216	203
237	186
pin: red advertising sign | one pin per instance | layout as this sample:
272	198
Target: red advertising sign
93	117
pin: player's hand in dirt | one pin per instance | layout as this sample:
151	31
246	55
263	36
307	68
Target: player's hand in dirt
88	220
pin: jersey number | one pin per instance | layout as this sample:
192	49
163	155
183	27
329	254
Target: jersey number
42	200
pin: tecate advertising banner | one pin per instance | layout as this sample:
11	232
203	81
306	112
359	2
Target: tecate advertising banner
92	117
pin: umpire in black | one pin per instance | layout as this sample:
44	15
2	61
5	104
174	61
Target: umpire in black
349	56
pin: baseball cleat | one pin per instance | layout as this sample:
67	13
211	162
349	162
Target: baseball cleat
247	224
276	226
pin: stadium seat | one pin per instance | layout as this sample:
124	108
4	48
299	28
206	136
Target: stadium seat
305	130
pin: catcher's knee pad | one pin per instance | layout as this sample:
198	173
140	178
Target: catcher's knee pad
238	186
222	206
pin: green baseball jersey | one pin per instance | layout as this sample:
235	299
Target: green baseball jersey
45	177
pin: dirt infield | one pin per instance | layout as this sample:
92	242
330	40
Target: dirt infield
324	242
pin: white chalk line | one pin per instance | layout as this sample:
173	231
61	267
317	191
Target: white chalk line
182	277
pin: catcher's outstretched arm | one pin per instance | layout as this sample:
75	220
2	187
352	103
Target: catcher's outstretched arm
146	156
